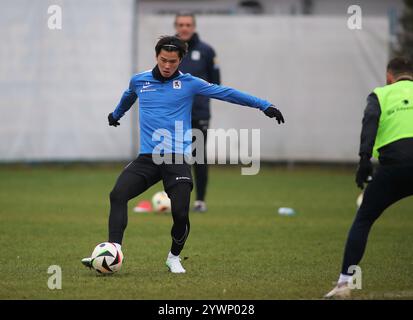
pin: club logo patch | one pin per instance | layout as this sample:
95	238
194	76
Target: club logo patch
195	55
177	84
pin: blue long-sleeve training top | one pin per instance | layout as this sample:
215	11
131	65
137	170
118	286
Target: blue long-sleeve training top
165	108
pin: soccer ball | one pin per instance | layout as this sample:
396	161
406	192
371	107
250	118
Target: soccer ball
161	202
359	200
106	258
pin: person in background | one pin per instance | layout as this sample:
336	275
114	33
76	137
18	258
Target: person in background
200	62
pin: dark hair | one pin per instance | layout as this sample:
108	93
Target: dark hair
400	65
185	14
171	43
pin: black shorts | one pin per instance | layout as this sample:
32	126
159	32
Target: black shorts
170	174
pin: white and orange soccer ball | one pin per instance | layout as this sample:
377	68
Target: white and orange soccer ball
106	258
161	202
359	200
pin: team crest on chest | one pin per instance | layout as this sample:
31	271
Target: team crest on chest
177	84
195	55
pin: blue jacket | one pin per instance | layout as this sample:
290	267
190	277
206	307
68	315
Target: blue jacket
165	107
200	62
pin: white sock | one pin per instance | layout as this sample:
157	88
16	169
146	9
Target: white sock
344	278
170	255
118	246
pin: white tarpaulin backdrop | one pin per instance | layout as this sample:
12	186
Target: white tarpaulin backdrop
57	86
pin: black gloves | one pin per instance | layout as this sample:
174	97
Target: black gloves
272	112
364	171
112	121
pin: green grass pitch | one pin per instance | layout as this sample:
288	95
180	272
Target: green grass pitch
240	249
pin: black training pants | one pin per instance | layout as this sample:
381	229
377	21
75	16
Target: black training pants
201	169
389	184
136	178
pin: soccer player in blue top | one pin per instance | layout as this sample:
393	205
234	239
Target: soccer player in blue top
165	102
